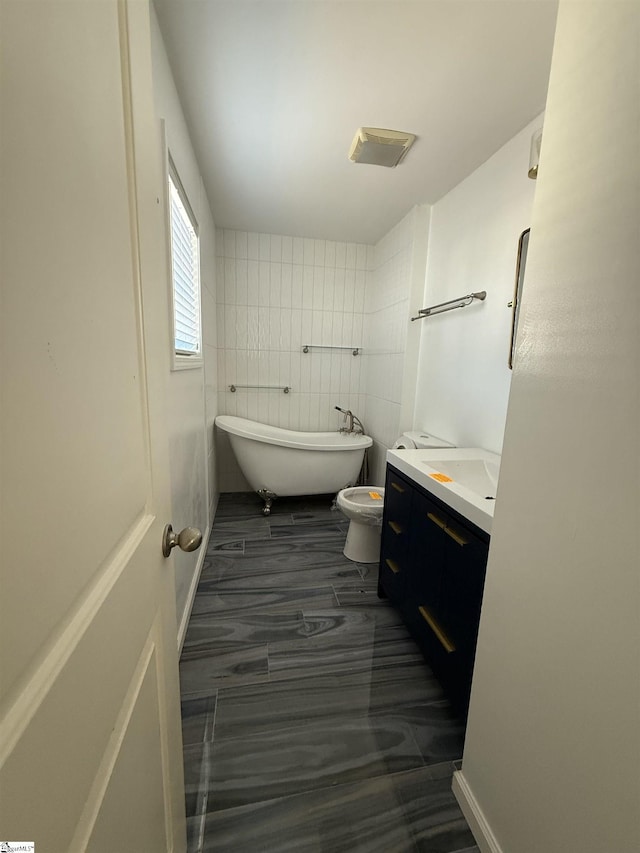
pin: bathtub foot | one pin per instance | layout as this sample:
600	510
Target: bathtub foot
268	498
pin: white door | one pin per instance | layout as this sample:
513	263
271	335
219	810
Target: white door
90	746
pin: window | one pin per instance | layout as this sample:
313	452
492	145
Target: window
185	271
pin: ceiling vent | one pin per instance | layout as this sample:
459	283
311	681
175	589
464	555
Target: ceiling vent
380	147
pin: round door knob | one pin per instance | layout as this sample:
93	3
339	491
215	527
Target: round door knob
187	540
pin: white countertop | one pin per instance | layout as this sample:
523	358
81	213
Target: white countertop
471	474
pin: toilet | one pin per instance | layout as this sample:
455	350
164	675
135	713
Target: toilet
364	505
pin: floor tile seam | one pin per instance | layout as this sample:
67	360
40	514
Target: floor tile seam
443	702
447	825
223	537
212	541
236	554
202	797
331	720
274	609
365	584
237	645
324	559
418	770
417	745
258	608
313	790
331	543
213	721
242	590
199	694
200	832
253	681
293	612
307	531
310	562
355	644
354	665
282	675
392	633
345	629
406	806
333	788
316	790
264	610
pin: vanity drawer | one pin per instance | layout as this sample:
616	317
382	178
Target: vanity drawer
450	662
397	495
392	579
394	563
394	549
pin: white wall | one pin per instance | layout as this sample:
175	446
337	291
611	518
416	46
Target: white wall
209	343
193	477
391	340
463	379
275	294
551	756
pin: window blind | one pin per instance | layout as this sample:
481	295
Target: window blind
185	275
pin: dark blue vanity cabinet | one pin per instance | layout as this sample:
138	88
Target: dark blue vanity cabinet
432	568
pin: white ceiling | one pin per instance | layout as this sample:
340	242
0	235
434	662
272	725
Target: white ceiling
274	91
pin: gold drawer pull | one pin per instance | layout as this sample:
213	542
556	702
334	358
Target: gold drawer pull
437	520
437	630
395	527
456	536
397	487
395	568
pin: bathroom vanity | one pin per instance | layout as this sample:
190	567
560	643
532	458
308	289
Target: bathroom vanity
433	557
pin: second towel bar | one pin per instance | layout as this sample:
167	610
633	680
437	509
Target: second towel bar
307	347
285	388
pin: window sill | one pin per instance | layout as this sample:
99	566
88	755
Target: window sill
186	362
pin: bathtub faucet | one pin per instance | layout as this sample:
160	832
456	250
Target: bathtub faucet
352	423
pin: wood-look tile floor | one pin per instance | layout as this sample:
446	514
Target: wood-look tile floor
311	722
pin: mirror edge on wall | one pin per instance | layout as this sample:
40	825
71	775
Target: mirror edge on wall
523	245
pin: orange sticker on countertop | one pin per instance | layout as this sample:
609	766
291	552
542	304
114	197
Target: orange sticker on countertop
441	478
375	496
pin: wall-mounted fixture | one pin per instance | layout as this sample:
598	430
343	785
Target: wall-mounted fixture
534	154
449	305
286	388
307	347
380	147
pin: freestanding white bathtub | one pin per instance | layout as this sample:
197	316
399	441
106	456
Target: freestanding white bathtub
283	462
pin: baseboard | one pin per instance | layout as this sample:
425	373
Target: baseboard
485	839
186	614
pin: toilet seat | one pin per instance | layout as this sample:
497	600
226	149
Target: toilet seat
358	500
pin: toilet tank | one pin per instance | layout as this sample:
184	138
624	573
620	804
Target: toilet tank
419	439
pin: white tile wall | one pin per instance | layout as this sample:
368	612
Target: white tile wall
276	293
387	313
